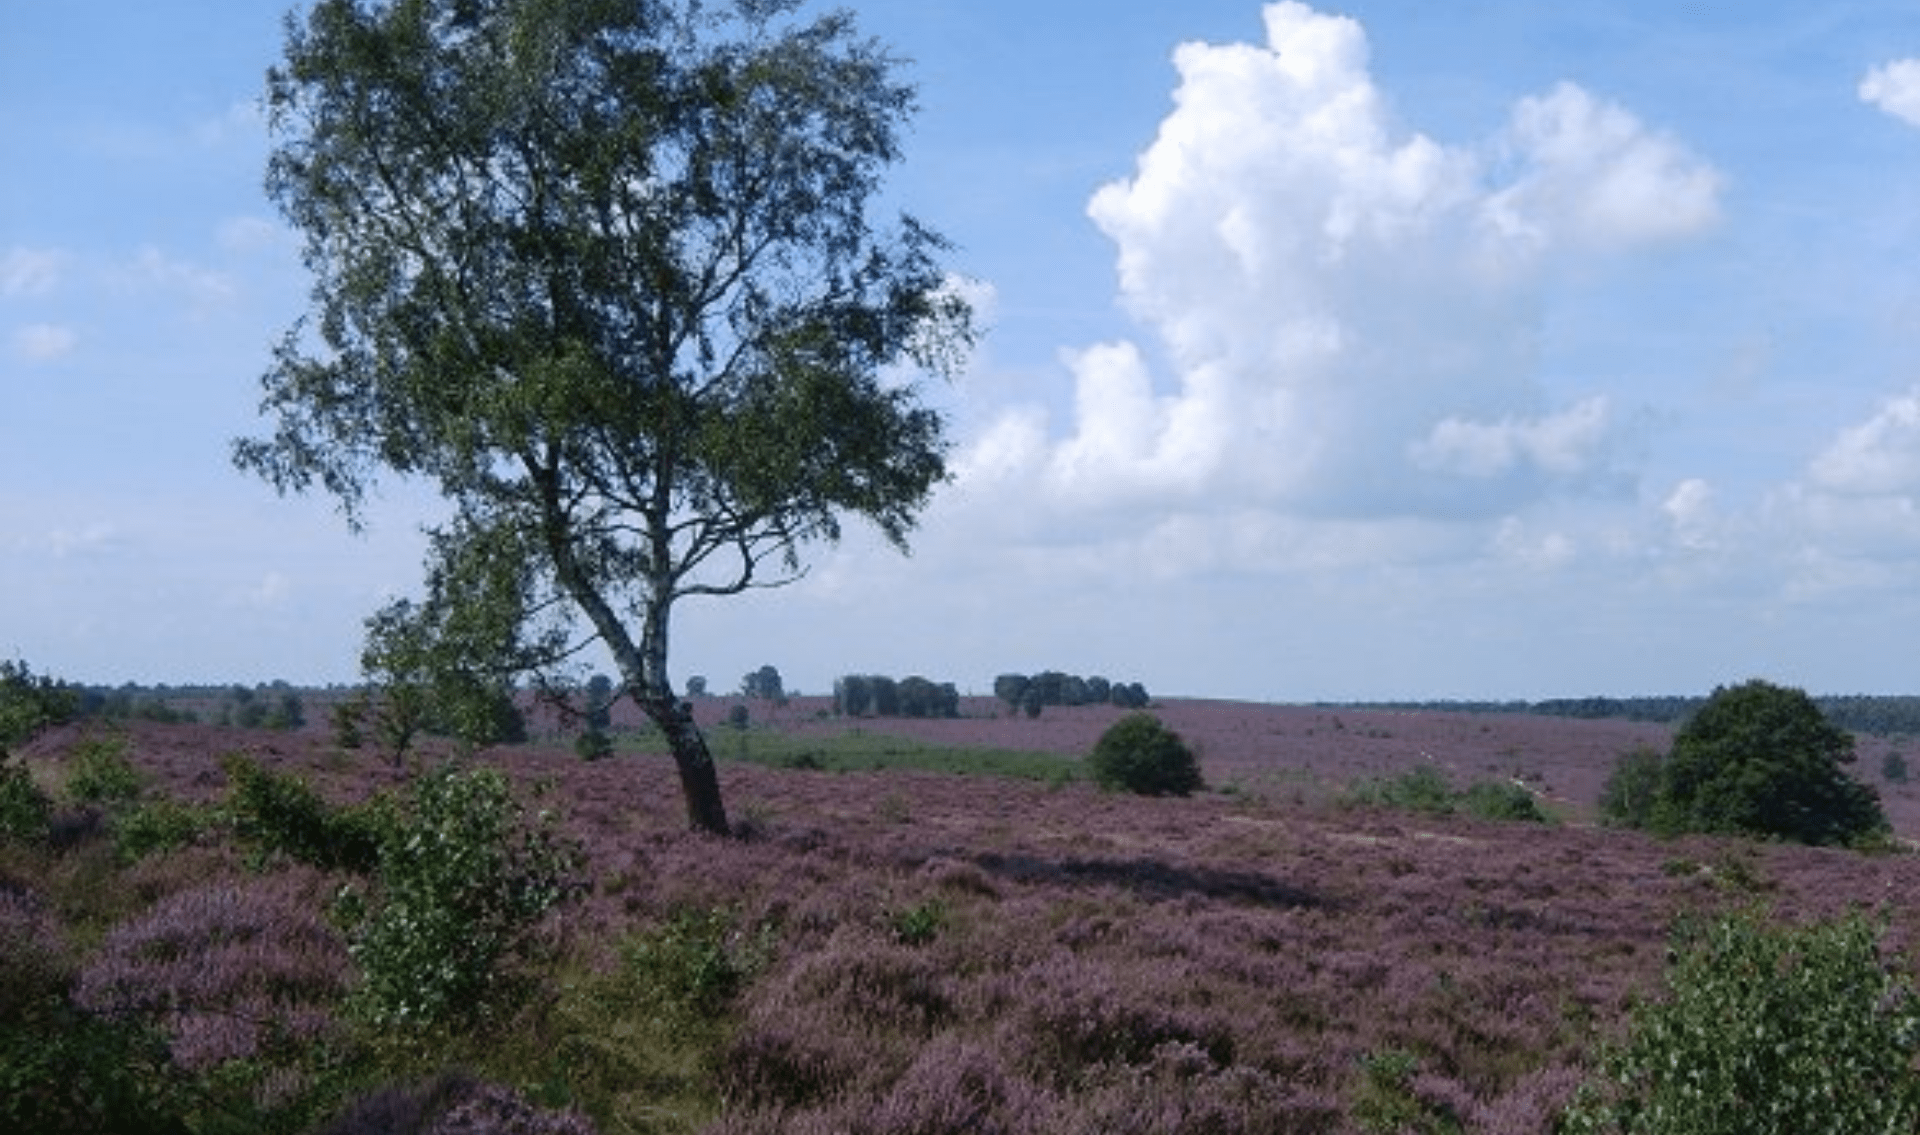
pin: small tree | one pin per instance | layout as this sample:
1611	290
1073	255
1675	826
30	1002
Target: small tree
1762	760
1139	754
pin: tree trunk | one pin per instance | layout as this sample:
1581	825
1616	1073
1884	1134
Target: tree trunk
699	780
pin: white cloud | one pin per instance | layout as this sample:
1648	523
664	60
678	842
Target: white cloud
1350	311
1592	175
1895	88
1879	457
30	271
1562	444
1692	512
44	342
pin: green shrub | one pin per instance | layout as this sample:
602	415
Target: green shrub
694	964
1501	800
280	814
158	826
462	879
1632	792
1766	1030
26	811
1141	755
100	773
1421	789
29	704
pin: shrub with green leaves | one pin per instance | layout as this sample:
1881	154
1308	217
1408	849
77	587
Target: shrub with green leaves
463	877
26	811
1139	754
281	814
1766	1030
159	826
99	772
1632	790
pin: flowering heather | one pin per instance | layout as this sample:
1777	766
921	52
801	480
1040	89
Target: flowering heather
950	953
236	970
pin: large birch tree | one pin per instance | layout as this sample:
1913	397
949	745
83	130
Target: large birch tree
607	274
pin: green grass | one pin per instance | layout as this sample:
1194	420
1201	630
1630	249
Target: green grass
858	750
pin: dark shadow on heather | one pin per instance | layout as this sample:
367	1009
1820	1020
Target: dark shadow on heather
1152	879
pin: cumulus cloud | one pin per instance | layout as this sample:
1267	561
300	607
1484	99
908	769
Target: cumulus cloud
1879	457
44	342
1345	313
1895	88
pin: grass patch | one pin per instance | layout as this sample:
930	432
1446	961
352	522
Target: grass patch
857	750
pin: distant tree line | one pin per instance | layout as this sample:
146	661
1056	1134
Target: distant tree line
1031	693
876	695
1875	714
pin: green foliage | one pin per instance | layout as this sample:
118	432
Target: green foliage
463	877
918	924
1766	1030
737	716
25	808
693	965
1761	760
1501	800
1139	754
159	826
62	1070
281	814
29	704
100	773
1426	789
1631	793
1423	788
1384	1100
857	750
593	745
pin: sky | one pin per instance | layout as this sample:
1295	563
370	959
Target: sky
1363	351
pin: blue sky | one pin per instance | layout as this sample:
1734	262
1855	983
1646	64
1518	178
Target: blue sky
1374	350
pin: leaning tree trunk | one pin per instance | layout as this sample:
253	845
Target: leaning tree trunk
699	780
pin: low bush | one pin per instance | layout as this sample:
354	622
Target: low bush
463	877
280	814
1632	790
1426	789
100	773
159	826
26	811
1766	1030
1139	754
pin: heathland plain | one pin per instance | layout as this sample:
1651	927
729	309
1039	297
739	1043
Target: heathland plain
941	925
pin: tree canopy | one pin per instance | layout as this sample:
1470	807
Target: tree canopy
1761	759
605	273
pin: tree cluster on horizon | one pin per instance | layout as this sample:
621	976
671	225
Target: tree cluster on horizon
1030	694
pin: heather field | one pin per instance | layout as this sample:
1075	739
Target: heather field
895	951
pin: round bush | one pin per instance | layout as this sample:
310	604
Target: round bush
1139	754
1762	760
